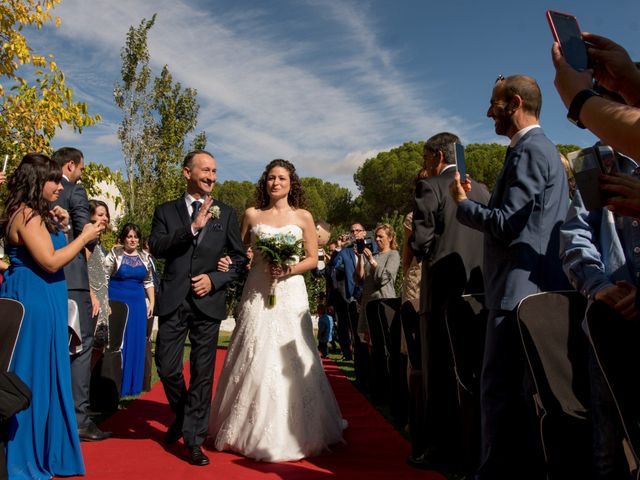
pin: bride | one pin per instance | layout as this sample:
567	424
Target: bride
273	401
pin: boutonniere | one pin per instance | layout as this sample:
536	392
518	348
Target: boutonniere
214	211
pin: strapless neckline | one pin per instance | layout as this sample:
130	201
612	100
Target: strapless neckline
289	225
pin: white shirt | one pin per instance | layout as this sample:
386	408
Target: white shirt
516	138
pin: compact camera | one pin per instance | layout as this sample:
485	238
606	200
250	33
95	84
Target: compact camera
362	243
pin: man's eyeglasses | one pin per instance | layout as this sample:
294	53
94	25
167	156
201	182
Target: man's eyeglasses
500	79
356	230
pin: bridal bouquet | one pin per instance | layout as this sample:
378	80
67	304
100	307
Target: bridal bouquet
279	249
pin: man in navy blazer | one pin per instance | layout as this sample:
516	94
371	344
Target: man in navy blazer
192	233
521	239
73	198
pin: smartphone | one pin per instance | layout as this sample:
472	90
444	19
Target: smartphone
566	32
360	245
461	166
4	165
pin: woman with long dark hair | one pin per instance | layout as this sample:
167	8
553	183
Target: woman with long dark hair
273	401
43	439
130	280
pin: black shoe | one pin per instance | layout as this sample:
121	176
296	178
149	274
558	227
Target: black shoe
197	457
91	433
174	433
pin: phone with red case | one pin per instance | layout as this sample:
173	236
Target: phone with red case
566	32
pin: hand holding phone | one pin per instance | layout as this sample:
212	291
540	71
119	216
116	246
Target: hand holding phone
566	32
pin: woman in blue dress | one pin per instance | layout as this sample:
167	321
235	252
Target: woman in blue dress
43	439
130	279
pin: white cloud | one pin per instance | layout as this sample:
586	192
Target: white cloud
262	94
109	139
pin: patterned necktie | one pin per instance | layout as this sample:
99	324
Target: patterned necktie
196	208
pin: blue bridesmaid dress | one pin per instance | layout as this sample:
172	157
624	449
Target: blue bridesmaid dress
127	286
43	439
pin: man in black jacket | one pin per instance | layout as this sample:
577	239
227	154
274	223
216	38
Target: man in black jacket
451	255
192	233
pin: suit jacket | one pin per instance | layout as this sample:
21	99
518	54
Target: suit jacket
344	266
187	256
451	253
521	223
74	199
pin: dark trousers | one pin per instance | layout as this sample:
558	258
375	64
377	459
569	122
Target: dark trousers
344	327
441	402
323	348
510	440
81	363
192	405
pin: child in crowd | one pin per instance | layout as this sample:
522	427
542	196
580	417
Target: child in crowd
325	330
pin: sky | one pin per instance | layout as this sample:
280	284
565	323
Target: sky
323	83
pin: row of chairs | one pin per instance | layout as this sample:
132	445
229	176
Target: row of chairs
106	376
556	349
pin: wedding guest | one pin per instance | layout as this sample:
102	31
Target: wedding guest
73	198
98	280
325	330
43	439
377	272
520	226
451	256
130	279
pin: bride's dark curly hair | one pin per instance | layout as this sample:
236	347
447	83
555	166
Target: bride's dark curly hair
25	186
296	196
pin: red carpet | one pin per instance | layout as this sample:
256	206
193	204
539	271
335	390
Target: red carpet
374	450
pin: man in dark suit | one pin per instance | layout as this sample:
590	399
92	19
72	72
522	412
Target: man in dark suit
73	198
521	244
192	233
451	255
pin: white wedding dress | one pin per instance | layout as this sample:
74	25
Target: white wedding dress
273	401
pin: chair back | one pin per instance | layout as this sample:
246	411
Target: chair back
466	322
556	350
615	342
11	313
410	319
117	325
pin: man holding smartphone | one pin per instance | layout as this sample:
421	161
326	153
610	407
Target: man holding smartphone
451	266
520	225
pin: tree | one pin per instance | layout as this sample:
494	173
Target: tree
157	117
34	99
239	195
178	112
137	131
484	162
387	182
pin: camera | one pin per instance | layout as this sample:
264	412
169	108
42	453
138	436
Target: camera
362	243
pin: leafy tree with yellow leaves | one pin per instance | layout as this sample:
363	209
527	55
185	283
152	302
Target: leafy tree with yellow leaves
34	99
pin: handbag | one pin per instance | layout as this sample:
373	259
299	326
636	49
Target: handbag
15	395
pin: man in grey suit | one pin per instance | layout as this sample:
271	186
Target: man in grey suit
73	198
521	236
451	255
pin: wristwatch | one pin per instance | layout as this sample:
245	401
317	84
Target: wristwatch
577	103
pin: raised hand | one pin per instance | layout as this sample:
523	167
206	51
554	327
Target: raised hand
60	215
203	215
92	231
